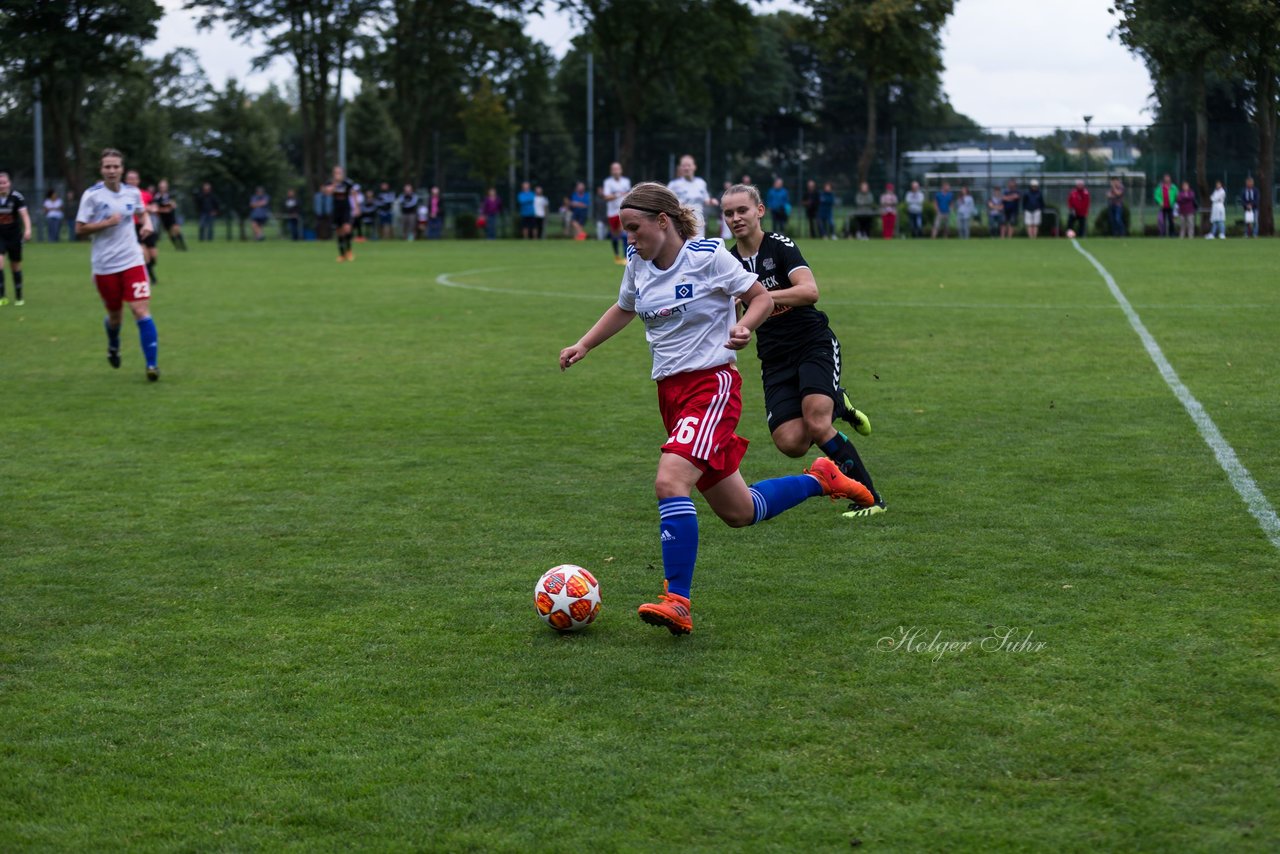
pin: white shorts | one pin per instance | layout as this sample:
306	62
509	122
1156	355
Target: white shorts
1031	217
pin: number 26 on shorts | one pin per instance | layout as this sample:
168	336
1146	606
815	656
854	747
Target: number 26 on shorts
684	432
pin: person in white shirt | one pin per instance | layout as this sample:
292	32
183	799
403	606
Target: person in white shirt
614	188
540	206
685	290
1217	212
53	215
107	211
692	191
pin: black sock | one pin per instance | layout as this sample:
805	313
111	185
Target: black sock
845	455
1	282
180	242
17	285
151	270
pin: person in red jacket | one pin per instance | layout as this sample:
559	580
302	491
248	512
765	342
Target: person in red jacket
1078	206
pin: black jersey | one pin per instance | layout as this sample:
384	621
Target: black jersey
342	194
789	327
10	220
408	204
163	203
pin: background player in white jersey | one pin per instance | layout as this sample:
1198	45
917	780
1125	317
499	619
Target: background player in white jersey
692	191
799	354
15	229
614	188
684	289
106	212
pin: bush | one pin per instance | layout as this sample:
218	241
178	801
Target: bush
1102	222
464	226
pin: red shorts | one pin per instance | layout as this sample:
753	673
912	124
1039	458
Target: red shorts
129	285
700	410
615	224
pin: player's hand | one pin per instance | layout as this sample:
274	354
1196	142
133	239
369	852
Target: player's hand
572	355
26	236
145	232
114	219
739	337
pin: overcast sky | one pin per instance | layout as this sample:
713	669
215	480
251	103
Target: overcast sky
1033	64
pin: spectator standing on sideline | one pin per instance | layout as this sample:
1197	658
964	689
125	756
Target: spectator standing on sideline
778	201
491	209
292	215
864	210
53	216
435	214
208	207
1010	202
995	213
1249	202
1166	197
423	212
1115	207
322	206
369	214
826	212
1078	208
540	205
966	209
915	209
259	212
408	202
1218	212
888	212
386	210
579	209
811	202
1033	209
1188	204
528	219
942	201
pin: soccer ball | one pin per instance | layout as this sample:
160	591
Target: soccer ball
567	597
1071	234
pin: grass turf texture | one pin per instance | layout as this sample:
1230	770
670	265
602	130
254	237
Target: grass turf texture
282	599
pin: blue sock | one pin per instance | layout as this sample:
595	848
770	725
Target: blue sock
778	495
113	334
150	341
679	525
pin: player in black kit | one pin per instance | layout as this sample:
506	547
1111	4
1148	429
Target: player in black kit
163	206
15	229
799	354
346	208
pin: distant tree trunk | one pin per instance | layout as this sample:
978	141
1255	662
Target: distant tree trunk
1202	142
1265	120
869	146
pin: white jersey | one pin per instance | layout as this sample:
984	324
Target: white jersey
616	187
688	310
540	205
692	193
115	248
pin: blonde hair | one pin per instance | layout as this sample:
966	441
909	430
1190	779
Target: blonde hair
111	152
653	199
751	190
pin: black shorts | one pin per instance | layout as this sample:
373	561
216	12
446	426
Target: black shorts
11	245
529	223
341	217
150	240
168	221
812	368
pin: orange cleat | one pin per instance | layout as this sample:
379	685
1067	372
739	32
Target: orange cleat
672	612
351	256
341	258
839	485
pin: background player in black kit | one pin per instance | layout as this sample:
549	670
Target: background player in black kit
346	208
15	229
799	354
163	205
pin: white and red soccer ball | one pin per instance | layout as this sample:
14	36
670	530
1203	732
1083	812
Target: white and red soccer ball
567	597
1071	234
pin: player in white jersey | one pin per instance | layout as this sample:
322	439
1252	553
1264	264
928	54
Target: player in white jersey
612	191
692	191
106	212
684	289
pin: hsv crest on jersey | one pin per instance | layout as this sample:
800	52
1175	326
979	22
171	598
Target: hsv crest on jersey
684	290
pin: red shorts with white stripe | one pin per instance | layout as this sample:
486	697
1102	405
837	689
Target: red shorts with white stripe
129	285
700	410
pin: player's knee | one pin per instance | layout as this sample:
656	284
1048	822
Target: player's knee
792	446
738	518
816	427
665	486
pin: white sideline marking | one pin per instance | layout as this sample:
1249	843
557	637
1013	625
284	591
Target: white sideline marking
447	281
1236	472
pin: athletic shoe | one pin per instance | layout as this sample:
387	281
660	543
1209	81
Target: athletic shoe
113	358
622	262
20	302
4	301
857	419
341	257
856	512
672	611
153	373
351	256
837	484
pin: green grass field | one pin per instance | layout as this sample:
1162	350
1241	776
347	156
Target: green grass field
282	598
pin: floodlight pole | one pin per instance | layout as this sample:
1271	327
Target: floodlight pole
39	152
591	136
1085	150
